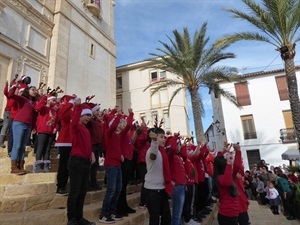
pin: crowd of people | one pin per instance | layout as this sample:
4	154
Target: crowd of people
167	165
273	186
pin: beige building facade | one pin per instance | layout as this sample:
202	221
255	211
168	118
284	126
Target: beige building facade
66	43
132	79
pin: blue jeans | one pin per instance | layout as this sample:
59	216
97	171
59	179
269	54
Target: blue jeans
209	183
114	187
20	138
177	203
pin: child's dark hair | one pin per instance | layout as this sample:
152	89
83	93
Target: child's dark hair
156	130
260	177
26	93
219	169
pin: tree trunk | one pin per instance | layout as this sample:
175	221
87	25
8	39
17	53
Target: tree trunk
293	95
197	115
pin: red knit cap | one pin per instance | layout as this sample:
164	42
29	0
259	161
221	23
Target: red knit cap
94	107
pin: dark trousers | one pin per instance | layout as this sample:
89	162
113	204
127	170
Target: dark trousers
187	207
201	196
133	169
122	202
44	142
226	220
79	174
10	136
158	207
243	218
97	149
63	173
262	198
141	172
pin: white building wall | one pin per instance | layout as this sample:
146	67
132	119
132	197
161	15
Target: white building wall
134	81
266	109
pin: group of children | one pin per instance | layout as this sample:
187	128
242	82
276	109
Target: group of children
167	166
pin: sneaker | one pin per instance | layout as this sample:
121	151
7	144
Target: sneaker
116	217
72	221
130	210
193	222
106	219
83	221
142	206
62	192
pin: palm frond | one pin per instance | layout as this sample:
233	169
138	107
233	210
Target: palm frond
248	36
174	94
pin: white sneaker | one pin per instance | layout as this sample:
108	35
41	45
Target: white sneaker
194	222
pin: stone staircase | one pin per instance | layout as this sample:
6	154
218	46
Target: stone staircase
31	199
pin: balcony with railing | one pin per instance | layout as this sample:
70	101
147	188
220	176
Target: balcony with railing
288	135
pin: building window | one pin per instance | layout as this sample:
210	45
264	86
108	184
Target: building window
164	96
242	94
119	101
288	119
282	88
248	127
92	51
166	118
153	76
155	99
119	82
253	157
162	75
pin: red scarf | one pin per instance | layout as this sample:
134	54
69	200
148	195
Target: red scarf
166	170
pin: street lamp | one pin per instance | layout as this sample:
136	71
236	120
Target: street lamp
219	130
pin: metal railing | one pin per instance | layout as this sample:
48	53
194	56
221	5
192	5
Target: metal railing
288	135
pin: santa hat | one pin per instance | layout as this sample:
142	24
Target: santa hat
50	97
22	87
172	142
86	110
67	98
23	77
94	107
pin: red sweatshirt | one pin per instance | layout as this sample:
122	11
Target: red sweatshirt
113	146
142	145
200	163
229	206
125	139
95	130
47	117
64	115
209	164
239	182
80	136
26	113
178	175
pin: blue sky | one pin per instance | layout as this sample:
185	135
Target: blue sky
141	24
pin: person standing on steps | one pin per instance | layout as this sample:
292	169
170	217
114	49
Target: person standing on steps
158	185
23	124
6	116
127	151
112	165
46	128
63	142
81	158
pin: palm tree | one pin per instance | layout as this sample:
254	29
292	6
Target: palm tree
194	64
277	22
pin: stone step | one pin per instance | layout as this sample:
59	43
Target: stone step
19	198
59	217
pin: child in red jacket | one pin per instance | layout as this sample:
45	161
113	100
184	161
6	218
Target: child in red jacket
112	165
224	184
81	158
178	177
46	127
